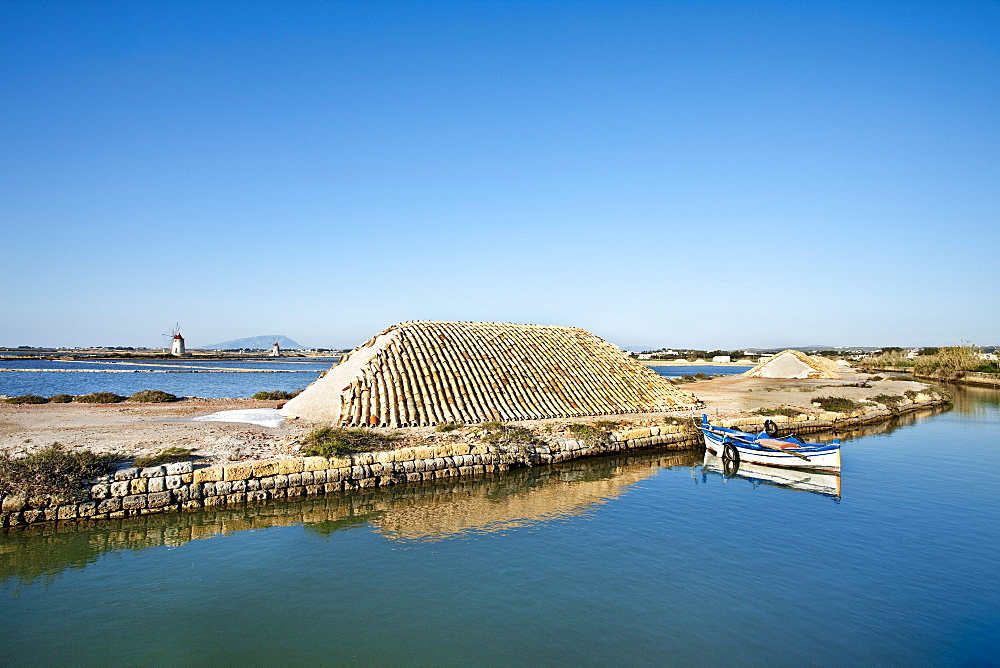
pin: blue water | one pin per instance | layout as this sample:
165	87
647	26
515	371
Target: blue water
639	560
197	384
212	385
678	371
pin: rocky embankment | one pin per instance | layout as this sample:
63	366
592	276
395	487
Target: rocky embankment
240	463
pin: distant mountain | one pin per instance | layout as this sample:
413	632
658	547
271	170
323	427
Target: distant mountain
263	342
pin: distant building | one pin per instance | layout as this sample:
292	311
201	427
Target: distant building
177	345
275	350
722	358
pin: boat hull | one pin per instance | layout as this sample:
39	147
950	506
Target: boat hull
821	458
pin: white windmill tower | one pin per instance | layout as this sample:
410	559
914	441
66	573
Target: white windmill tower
176	341
275	350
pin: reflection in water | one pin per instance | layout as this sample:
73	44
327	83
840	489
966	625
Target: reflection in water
428	511
898	422
826	484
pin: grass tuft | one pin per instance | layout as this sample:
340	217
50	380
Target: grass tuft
171	454
60	398
26	399
276	395
330	441
53	471
99	398
152	397
835	404
445	427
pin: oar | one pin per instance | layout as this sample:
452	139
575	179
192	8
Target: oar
790	452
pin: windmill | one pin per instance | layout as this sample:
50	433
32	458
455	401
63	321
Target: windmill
176	340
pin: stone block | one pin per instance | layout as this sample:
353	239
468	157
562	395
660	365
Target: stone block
156	484
480	450
306	478
158	499
138	486
67	512
213	501
461	449
294	479
290	465
109	505
635	434
267	483
253	485
152	472
134	502
193	504
209	474
182	494
172	482
32	516
414	477
223	487
178	468
207	488
13	504
427	475
237	486
362	459
366	482
258	496
314	463
126	474
194	490
313	490
264	468
237	471
278	493
239	497
385	457
332	487
340	462
442	451
293	491
465	470
421	452
280	481
101	491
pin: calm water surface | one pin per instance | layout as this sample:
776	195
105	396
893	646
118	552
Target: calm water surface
637	560
77	377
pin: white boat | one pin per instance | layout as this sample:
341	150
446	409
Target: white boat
766	450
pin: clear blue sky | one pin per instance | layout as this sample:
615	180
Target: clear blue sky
697	174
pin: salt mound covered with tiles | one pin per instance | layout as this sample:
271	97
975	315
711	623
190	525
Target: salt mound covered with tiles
427	372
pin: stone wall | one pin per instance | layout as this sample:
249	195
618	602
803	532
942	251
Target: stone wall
180	486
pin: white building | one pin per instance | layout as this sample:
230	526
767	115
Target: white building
177	345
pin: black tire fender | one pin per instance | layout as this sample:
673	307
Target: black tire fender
770	428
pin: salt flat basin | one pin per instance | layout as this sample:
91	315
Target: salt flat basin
265	417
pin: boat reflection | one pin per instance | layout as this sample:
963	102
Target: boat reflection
429	511
827	484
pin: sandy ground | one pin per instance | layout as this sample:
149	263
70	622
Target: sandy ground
140	429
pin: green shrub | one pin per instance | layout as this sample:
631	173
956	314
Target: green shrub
152	397
26	399
330	441
590	434
276	395
60	398
781	410
171	454
499	433
890	400
448	426
688	378
53	471
835	404
99	398
607	425
701	376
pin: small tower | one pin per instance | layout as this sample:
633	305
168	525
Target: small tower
177	345
275	350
